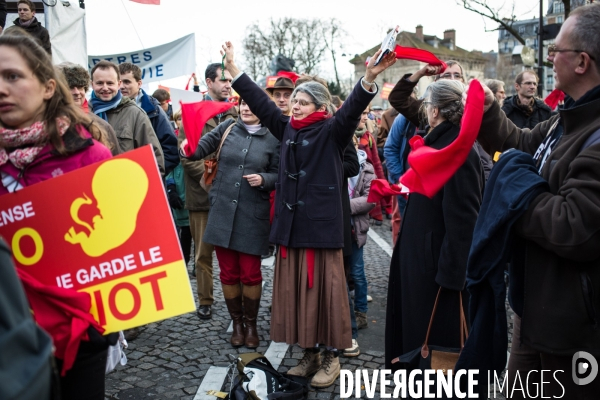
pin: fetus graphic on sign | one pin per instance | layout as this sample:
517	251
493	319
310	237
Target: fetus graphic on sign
119	188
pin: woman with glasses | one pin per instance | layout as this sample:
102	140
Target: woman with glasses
433	245
310	304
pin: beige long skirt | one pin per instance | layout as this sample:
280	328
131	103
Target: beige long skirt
319	315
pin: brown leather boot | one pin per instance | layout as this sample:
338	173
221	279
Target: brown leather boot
233	299
251	305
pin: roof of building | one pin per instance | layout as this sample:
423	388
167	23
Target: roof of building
443	51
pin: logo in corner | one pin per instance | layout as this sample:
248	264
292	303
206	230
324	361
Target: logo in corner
119	188
583	363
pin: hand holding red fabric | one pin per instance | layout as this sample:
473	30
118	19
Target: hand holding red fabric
430	169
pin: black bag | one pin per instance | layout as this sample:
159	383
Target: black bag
258	380
435	357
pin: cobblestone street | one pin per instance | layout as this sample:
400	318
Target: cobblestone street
170	359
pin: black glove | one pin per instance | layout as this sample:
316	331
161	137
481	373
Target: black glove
174	199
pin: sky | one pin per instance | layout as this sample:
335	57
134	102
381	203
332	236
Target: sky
116	26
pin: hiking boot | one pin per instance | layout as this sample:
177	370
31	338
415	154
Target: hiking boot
352	351
329	371
310	363
361	319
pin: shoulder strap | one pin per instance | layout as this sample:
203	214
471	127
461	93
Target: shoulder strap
594	138
229	128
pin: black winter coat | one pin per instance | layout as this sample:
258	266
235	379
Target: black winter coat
308	208
432	251
541	112
40	33
351	168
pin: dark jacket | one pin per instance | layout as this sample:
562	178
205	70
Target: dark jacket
196	198
163	129
351	168
308	210
400	98
431	251
541	112
36	30
560	229
239	213
3	13
512	185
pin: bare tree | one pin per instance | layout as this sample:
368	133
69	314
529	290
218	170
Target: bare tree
496	14
332	37
297	39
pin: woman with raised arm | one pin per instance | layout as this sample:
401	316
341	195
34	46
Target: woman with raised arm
310	304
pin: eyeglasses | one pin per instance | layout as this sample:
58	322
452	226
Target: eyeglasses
303	103
529	83
449	75
426	103
552	50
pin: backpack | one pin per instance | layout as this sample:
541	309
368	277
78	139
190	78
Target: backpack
26	371
258	380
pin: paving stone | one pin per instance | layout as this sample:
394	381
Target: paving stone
170	358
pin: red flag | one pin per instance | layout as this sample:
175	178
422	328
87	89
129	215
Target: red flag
555	97
410	53
289	74
430	169
380	189
63	313
194	116
155	2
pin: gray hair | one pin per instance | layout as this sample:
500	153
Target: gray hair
318	93
446	95
494	85
586	31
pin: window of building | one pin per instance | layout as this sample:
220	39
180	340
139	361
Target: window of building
559	19
549	81
522	29
559	7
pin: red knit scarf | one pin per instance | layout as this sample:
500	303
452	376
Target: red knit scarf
317	116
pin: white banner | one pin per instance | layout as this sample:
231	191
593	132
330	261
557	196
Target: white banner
185	96
161	62
66	25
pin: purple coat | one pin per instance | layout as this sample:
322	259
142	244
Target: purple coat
50	164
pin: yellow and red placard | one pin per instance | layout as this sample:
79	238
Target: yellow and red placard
386	89
271	81
105	229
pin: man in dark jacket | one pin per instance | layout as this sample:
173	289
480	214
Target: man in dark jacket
2	15
557	327
523	109
29	22
131	86
196	198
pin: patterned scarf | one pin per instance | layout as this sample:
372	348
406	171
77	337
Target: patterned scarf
27	141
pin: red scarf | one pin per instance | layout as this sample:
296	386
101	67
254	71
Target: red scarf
317	116
430	169
194	116
555	97
411	53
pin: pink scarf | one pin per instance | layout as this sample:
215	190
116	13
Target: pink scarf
34	138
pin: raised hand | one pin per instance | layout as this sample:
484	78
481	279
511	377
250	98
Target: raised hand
373	70
227	50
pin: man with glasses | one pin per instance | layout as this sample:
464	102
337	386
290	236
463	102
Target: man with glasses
557	321
523	109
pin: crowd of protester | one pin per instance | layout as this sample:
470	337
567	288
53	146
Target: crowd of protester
296	167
